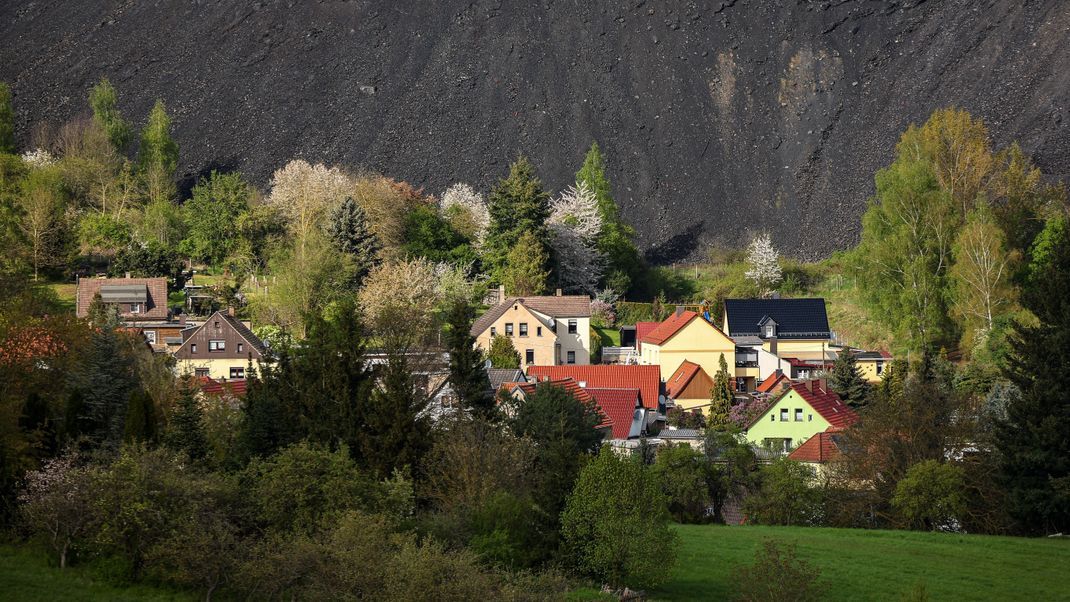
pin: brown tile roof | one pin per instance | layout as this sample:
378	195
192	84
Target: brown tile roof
821	448
566	306
681	378
645	378
156	306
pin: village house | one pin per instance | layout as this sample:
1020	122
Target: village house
220	348
771	332
644	379
686	337
546	330
801	411
819	451
141	304
624	416
689	387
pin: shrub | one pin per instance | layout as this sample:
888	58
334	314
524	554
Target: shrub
777	575
684	475
785	495
931	496
602	314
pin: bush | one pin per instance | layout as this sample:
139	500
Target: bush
785	495
602	314
931	496
685	419
630	312
777	575
684	475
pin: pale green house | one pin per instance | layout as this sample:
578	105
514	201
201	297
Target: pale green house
802	410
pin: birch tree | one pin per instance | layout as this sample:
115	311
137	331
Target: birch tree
575	225
763	264
40	204
981	275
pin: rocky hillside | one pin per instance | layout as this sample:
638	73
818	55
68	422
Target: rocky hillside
717	117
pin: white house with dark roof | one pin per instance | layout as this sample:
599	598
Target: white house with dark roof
221	348
770	333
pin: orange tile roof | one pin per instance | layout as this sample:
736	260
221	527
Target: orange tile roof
771	382
820	448
641	330
618	406
681	378
645	378
669	327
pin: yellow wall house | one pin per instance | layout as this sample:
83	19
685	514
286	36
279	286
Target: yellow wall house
787	328
546	330
219	349
686	336
800	412
873	365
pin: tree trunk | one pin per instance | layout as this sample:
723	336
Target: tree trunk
63	556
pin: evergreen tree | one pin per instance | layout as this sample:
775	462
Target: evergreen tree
187	425
105	380
846	380
625	266
7	120
140	417
720	397
104	101
351	234
468	377
271	419
503	353
525	270
518	205
100	315
398	427
1032	441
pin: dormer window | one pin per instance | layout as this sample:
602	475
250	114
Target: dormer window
770	330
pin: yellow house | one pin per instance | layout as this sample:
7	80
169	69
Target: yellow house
219	349
786	328
686	336
690	387
801	411
546	330
873	365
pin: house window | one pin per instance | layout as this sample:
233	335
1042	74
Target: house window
809	417
777	445
493	332
772	418
770	330
523	329
241	347
200	372
741	384
150	336
217	345
538	331
529	356
217	325
508	329
880	368
135	308
237	372
572	327
798	415
571	357
193	347
783	414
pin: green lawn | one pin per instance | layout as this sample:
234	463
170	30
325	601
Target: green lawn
26	576
67	293
610	337
878	565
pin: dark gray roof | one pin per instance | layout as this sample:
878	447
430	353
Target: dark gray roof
795	318
124	293
500	376
244	331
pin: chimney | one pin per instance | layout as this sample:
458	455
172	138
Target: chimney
557	293
182	319
128	274
816	385
679	309
501	293
230	311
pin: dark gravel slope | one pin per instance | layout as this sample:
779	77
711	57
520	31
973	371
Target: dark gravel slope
718	117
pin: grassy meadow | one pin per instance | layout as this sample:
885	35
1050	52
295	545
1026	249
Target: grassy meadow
860	564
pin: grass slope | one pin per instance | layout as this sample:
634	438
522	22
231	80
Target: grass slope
27	577
877	565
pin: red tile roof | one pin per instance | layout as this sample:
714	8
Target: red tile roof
669	327
645	378
820	448
641	330
215	387
826	403
618	406
681	378
771	382
568	384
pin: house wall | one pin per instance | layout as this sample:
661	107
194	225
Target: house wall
868	369
218	368
579	342
766	428
769	363
698	342
804	349
544	345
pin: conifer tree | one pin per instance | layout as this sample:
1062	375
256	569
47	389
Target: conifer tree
349	230
140	417
398	427
104	101
187	425
625	265
105	380
846	380
721	397
525	270
503	353
1032	441
518	204
271	420
468	377
7	120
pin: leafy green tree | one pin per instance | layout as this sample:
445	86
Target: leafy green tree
932	495
622	540
503	353
468	375
430	236
1032	441
7	120
733	468
684	474
158	155
212	214
563	430
525	270
981	277
148	260
104	101
140	418
785	495
103	234
349	230
398	425
625	264
721	397
186	431
846	379
41	204
518	205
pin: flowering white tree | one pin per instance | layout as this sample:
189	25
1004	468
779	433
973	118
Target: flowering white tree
575	224
466	210
38	158
56	503
304	194
763	264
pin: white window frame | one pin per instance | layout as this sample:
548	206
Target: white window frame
216	345
570	357
135	308
150	336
